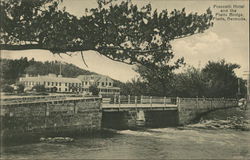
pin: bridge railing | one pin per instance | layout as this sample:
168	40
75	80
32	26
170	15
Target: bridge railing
122	99
23	99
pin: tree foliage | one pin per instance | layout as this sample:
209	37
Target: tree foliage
216	79
158	81
135	87
11	70
190	83
94	90
20	88
221	80
7	88
118	30
39	88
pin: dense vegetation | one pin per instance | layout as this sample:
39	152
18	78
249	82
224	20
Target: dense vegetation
11	70
216	79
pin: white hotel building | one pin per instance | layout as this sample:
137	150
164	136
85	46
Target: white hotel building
82	83
104	83
52	82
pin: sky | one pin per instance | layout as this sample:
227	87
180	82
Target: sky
227	40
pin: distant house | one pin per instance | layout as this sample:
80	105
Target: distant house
53	83
103	83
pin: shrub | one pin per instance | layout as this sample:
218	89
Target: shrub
39	88
7	88
20	88
94	90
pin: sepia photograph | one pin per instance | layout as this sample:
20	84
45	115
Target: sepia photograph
124	79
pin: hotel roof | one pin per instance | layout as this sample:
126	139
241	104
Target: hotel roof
51	79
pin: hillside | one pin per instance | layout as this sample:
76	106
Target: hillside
11	70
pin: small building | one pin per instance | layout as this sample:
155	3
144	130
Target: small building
104	83
53	83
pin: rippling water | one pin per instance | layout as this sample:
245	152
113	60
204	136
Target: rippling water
149	143
161	143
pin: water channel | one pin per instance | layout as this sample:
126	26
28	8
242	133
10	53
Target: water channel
145	143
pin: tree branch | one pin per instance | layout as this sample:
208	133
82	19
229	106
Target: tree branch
83	59
21	47
117	60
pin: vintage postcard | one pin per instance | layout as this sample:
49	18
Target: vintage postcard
124	79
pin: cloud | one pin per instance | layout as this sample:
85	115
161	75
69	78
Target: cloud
201	48
201	44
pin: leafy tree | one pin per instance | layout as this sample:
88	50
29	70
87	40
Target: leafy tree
20	88
221	80
190	83
120	31
135	87
12	69
94	90
7	88
39	88
53	89
158	80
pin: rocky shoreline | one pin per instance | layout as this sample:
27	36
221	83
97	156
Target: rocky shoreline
237	123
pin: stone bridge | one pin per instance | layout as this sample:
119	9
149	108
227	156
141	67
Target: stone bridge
128	112
60	114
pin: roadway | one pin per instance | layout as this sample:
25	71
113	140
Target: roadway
124	107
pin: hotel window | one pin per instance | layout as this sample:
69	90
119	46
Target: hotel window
60	83
56	83
52	83
65	88
86	83
44	83
76	84
48	83
59	89
66	84
109	83
102	83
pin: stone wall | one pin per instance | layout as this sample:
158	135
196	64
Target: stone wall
82	115
190	108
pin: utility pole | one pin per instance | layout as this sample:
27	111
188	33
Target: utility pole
238	94
60	69
248	85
